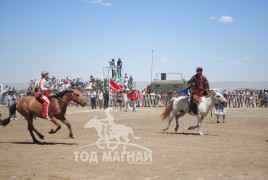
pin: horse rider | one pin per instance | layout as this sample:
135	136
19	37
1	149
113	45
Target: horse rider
200	86
44	92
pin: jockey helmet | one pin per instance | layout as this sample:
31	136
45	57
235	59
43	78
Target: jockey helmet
199	69
44	73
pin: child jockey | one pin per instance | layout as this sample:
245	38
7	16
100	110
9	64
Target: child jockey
43	91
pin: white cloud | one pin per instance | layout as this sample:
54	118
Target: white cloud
222	19
164	60
106	4
236	62
225	19
101	2
213	18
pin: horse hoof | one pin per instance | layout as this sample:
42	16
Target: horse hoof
201	134
165	129
71	136
42	137
51	131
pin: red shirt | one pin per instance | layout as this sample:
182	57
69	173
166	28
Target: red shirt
133	96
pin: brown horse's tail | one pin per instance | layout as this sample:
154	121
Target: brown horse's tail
6	121
168	110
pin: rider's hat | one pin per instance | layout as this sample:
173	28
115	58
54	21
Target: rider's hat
44	73
198	69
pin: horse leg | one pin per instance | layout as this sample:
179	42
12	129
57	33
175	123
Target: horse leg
169	122
177	120
174	112
38	134
194	127
53	131
199	126
69	127
30	129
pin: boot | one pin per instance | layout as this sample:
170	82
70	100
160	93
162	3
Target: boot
193	108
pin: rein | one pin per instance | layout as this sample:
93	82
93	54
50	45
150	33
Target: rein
72	98
63	100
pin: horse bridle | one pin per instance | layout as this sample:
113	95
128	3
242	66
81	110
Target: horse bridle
80	100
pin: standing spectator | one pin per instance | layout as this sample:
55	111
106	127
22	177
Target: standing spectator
158	100
220	111
234	99
30	92
230	99
152	96
119	68
65	86
11	99
126	81
130	81
119	99
100	98
113	66
246	96
139	101
127	100
251	99
93	99
133	98
148	89
240	98
106	98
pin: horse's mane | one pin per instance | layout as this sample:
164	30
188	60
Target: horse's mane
59	94
207	96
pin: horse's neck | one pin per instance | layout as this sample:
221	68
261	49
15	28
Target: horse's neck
209	102
65	99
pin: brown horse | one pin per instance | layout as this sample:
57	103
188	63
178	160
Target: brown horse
30	106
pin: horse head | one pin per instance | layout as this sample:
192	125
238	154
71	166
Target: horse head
219	98
78	97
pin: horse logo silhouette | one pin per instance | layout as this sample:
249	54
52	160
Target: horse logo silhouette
109	132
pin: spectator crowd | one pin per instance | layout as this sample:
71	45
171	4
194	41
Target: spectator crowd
99	94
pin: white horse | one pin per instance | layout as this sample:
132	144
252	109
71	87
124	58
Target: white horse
178	107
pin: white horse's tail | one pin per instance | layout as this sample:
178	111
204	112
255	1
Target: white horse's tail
168	110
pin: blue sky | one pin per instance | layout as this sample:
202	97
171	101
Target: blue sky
76	38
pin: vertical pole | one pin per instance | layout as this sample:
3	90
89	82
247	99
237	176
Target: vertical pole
152	66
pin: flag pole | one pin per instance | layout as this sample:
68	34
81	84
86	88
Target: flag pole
152	66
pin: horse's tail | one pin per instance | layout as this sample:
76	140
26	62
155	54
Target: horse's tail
6	121
168	110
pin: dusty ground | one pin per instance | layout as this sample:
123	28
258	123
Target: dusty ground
237	149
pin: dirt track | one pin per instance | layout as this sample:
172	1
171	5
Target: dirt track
237	149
